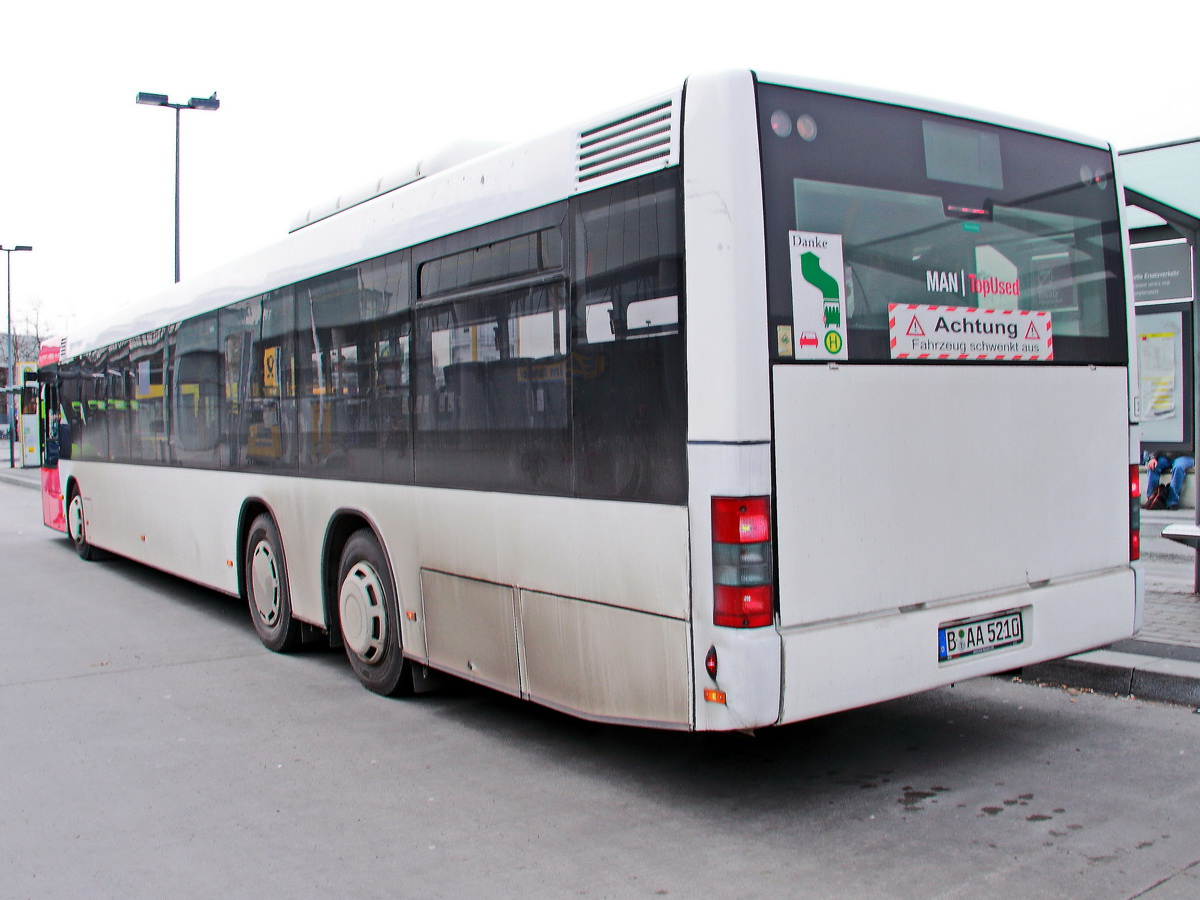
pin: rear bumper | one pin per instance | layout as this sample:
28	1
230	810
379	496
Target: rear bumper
845	664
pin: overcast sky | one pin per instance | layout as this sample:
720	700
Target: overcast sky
319	99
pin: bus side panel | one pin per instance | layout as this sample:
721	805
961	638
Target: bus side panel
728	388
471	629
631	555
604	663
183	521
627	563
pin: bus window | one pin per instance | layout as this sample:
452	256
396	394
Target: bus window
120	403
270	427
147	359
338	425
628	394
1022	223
493	384
196	389
94	406
240	328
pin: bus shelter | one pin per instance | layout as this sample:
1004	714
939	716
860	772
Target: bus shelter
1162	193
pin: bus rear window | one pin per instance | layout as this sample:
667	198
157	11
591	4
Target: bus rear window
897	235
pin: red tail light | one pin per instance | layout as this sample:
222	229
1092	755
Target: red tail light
743	562
1135	513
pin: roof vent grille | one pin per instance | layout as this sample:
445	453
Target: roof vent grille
642	140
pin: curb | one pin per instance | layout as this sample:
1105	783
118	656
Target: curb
9	477
1125	674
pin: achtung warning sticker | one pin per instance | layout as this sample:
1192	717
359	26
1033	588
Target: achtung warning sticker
966	333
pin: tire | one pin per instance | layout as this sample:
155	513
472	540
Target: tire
77	525
267	592
369	619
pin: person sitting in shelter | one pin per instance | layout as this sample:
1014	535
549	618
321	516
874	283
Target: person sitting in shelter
1156	465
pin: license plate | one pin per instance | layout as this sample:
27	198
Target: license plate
973	636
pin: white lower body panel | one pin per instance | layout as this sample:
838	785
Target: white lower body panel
580	604
846	664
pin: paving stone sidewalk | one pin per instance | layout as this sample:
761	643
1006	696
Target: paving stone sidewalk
1162	661
1172	617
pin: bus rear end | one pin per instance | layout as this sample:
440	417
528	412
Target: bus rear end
951	457
951	436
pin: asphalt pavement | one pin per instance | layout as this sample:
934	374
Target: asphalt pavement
1160	663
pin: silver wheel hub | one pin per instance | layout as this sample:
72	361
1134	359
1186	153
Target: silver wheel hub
363	616
75	518
264	579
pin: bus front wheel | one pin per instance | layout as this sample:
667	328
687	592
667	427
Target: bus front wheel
267	591
77	525
369	618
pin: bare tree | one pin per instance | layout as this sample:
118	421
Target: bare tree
33	330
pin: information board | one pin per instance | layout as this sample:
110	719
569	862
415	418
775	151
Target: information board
1160	368
1162	271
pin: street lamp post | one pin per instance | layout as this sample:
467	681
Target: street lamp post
8	372
195	103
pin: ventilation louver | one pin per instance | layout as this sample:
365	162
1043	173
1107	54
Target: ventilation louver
641	140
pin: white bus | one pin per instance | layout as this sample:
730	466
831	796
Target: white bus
756	401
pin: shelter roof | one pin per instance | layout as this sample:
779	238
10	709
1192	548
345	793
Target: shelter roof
1168	174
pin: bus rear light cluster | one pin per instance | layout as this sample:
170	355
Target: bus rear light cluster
743	569
1135	514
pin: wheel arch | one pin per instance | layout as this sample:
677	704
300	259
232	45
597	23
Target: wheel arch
342	524
252	508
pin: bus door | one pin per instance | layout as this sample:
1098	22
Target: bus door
47	425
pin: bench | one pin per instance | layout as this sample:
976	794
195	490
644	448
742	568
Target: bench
1183	532
1187	499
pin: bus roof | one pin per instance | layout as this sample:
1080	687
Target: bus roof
465	188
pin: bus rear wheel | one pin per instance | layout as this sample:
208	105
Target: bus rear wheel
267	592
369	617
77	525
